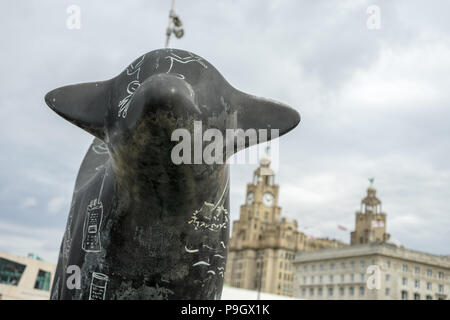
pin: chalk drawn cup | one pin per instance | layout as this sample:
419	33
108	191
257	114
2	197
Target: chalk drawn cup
99	283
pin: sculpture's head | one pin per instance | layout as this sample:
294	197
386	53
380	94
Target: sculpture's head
159	92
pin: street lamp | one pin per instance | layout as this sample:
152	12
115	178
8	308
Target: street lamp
174	26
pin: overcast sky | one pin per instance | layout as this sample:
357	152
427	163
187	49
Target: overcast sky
374	103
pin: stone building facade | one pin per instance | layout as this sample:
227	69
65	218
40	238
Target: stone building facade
373	271
371	268
263	242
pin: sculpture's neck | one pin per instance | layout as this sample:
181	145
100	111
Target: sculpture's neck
169	186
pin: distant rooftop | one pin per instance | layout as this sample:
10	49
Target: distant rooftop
385	249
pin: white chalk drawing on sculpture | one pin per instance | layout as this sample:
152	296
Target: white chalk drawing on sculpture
99	283
100	148
212	261
210	216
133	71
92	223
190	58
67	239
55	293
91	228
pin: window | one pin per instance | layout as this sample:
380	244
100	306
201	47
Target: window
343	265
342	291
330	292
416	283
342	278
404	281
387	292
331	266
363	264
320	279
441	288
352	264
441	275
416	270
362	277
361	291
10	272
320	292
429	297
352	277
429	273
352	291
404	295
429	286
303	292
388	264
331	279
42	280
388	277
311	292
312	280
416	296
405	268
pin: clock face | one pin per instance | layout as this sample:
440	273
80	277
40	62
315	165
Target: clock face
268	199
250	198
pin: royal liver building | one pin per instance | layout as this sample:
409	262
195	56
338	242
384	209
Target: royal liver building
263	242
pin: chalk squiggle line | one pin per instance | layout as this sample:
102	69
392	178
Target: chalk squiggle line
190	251
201	263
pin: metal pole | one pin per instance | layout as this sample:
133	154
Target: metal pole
168	30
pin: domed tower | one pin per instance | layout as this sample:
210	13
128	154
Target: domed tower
370	221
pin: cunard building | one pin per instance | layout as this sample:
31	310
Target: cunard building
263	242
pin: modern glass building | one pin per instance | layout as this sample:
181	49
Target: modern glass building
25	278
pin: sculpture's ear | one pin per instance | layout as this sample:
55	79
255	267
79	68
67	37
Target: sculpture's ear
85	105
273	118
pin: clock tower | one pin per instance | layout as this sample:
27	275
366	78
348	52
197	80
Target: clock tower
261	204
263	243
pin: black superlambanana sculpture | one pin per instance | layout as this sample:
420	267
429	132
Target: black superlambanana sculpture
141	225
